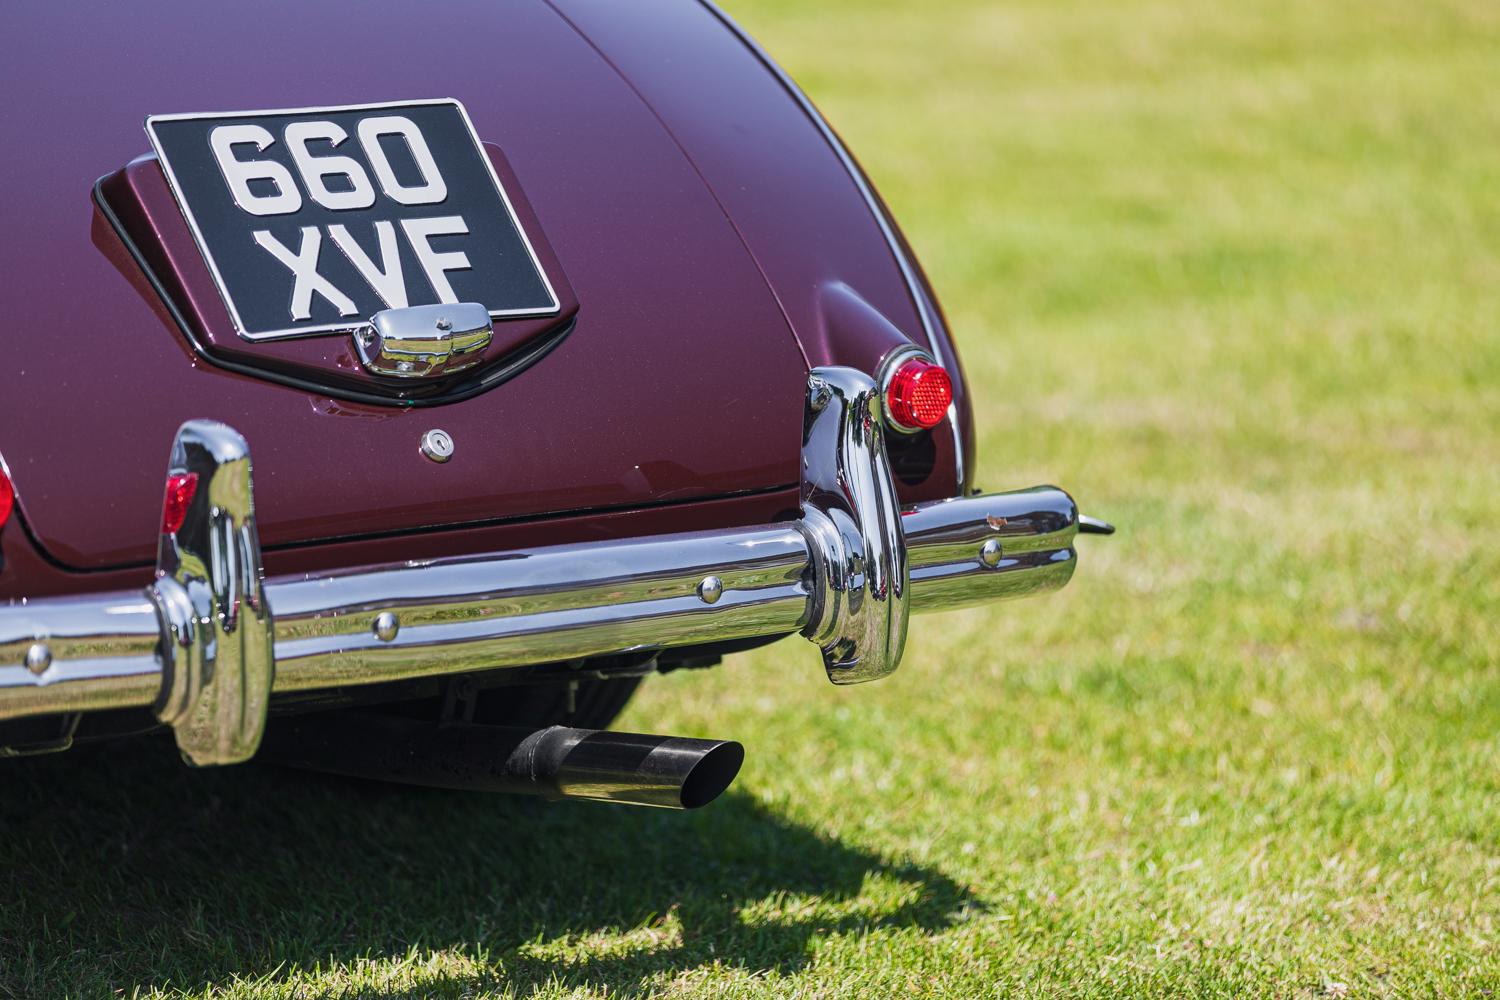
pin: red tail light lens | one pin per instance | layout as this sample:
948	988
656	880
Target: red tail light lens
7	498
180	491
917	395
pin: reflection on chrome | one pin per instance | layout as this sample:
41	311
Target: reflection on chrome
213	640
852	521
216	642
424	341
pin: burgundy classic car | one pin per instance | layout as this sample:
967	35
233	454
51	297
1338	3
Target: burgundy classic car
422	377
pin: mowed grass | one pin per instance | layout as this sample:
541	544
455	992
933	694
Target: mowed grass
1230	273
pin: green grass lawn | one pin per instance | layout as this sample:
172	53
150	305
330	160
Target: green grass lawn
1230	272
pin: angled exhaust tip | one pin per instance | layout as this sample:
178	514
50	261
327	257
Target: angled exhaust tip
712	775
558	762
672	772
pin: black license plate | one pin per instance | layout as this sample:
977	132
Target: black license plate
313	220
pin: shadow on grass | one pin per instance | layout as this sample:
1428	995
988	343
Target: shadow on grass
120	868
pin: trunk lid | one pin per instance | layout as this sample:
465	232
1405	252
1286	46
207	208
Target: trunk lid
678	380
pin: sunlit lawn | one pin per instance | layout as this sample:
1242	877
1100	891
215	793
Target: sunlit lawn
1230	272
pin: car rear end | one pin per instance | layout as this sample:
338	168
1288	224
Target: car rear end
428	400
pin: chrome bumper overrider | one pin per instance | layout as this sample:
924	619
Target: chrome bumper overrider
210	640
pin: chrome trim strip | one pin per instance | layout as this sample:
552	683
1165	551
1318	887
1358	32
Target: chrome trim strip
203	649
914	288
103	654
537	605
973	550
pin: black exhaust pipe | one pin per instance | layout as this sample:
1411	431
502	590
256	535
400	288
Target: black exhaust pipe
672	772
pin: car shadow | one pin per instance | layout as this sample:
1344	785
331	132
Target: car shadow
121	868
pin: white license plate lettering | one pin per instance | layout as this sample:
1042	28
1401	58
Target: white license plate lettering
311	221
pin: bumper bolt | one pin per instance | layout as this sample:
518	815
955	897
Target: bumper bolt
385	626
38	657
710	589
990	552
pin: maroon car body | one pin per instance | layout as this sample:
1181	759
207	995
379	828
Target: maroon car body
711	282
712	241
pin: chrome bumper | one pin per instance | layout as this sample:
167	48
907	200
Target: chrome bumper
210	640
